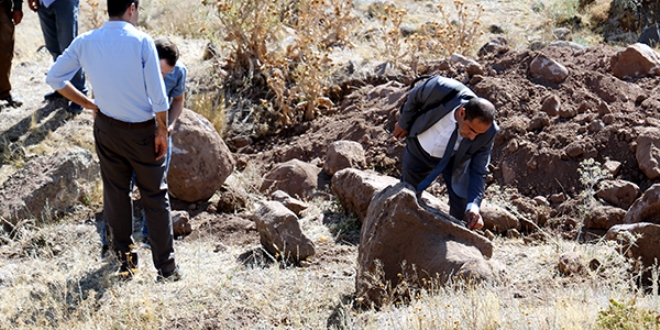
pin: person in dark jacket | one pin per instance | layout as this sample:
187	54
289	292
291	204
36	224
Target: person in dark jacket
11	14
449	131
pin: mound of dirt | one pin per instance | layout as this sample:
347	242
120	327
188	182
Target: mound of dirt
591	114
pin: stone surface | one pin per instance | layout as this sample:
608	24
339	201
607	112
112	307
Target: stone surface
47	186
646	208
280	232
570	264
603	217
637	60
620	193
296	178
648	152
545	68
344	154
399	234
639	242
498	219
295	205
201	161
355	189
181	223
551	105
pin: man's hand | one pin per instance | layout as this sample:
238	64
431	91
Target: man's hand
17	16
399	132
161	144
474	220
34	5
161	135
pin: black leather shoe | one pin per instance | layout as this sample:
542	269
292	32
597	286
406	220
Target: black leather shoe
13	100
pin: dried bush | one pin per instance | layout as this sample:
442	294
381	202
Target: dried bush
279	53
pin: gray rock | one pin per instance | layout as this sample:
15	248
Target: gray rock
201	161
280	232
344	154
645	208
47	186
402	240
294	177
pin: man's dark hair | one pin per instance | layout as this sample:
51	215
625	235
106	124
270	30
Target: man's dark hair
479	108
167	50
117	8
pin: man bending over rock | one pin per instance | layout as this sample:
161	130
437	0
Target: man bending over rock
449	131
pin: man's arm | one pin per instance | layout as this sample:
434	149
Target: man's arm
74	95
477	185
156	91
175	110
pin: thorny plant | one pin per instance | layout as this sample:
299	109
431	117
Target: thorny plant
286	44
434	39
591	173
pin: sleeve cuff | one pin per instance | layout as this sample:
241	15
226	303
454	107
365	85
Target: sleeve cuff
472	207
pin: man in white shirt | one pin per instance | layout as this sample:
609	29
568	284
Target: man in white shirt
451	132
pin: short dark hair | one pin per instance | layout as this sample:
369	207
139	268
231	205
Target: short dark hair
117	8
167	50
480	108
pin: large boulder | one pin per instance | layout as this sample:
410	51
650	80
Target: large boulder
403	243
619	193
547	69
639	242
296	178
637	60
46	186
648	153
646	208
355	189
280	232
201	161
344	154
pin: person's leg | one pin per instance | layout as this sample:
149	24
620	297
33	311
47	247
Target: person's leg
6	48
48	23
417	163
457	204
168	158
66	26
117	205
151	180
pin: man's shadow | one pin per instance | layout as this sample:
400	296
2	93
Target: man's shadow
33	129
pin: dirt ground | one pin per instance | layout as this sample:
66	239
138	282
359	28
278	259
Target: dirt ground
600	112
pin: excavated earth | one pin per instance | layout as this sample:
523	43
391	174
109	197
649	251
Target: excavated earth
599	115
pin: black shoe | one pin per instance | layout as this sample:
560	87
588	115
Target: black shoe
13	100
172	276
52	96
75	108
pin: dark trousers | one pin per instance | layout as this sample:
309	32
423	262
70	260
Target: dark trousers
418	164
59	25
6	47
123	151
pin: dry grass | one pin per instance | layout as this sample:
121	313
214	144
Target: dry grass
52	278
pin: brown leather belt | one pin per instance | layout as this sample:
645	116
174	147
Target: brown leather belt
115	122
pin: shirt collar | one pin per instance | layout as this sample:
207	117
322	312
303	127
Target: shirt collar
117	25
